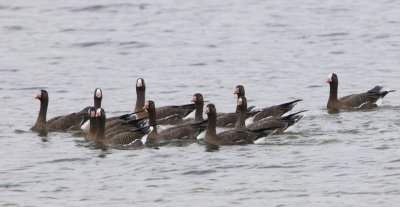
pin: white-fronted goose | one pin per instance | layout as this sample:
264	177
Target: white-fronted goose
68	122
198	100
138	111
276	110
232	137
197	114
230	119
187	131
366	100
97	128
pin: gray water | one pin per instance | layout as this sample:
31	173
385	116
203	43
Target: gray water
279	50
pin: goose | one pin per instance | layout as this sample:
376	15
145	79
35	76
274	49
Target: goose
280	124
271	111
186	132
231	137
67	122
97	131
367	100
197	114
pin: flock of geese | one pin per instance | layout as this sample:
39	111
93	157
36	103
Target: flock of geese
244	126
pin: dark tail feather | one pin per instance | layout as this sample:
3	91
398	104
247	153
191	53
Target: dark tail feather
186	106
380	90
250	108
295	116
290	104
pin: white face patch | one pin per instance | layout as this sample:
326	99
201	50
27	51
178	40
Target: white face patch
139	83
39	95
329	79
98	93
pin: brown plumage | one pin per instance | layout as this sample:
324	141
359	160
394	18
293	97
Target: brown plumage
97	131
354	101
187	131
229	119
198	100
231	137
276	110
171	114
280	124
68	122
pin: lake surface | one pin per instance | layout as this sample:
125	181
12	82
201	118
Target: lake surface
279	50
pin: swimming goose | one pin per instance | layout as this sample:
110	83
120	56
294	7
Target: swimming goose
231	137
197	114
97	128
68	122
367	100
138	112
276	110
186	132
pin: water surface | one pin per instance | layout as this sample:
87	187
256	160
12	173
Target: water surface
279	50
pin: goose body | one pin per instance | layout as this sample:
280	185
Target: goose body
60	123
238	136
365	100
97	131
271	111
279	124
187	131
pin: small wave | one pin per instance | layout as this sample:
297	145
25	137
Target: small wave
276	25
168	92
337	52
382	148
90	44
27	88
20	131
382	36
66	160
89	8
134	44
199	172
8	70
157	178
9	185
280	166
14	28
333	34
95	8
315	86
198	64
12	8
354	193
329	141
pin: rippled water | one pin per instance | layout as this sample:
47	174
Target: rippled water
280	50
